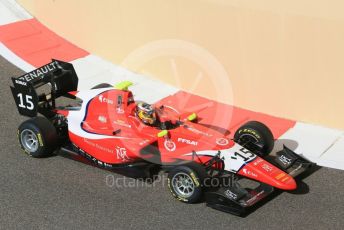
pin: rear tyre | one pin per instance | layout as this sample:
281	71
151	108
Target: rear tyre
185	182
254	133
38	137
102	85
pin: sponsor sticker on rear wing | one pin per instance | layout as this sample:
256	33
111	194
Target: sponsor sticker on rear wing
38	74
58	75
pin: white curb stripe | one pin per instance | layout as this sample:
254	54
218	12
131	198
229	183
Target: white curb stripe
93	70
11	11
313	142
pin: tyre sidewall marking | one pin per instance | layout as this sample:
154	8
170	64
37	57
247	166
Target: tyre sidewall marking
194	179
40	140
250	131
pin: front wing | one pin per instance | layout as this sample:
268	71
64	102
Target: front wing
238	200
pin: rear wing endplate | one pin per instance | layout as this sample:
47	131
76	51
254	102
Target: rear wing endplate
58	75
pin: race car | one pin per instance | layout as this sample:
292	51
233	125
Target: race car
107	126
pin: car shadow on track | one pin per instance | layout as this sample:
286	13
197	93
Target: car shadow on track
279	143
150	171
143	171
302	189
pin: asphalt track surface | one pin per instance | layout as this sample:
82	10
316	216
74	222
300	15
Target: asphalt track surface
61	193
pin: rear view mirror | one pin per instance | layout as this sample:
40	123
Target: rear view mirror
124	85
162	133
192	117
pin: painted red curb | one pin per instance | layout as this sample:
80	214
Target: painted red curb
221	115
36	44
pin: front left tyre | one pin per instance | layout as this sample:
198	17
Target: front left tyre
38	137
185	182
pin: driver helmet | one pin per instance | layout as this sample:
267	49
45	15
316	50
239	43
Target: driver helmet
146	113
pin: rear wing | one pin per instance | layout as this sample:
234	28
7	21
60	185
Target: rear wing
59	76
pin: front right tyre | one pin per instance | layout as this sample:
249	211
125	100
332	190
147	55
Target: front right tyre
256	133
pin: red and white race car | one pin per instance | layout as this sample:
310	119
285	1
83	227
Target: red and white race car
106	125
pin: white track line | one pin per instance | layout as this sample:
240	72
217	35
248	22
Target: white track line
11	11
334	156
93	70
314	143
